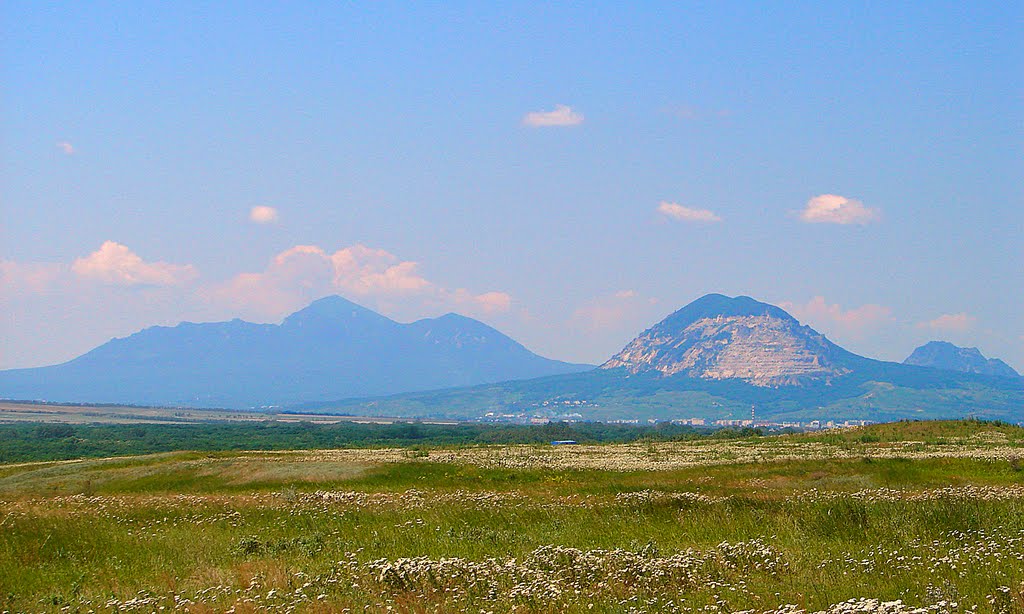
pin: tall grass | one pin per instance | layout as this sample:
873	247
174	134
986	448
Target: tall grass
218	531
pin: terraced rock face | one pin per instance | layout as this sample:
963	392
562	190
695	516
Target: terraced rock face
718	337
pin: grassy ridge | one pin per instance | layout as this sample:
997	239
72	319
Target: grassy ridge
282	531
874	391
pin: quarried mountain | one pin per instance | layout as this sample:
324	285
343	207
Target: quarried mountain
944	355
721	358
331	349
720	338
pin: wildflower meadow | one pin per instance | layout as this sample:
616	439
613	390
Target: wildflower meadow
924	517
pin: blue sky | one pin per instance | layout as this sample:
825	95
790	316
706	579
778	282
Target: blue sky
568	173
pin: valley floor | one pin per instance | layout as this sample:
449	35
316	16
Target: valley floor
927	514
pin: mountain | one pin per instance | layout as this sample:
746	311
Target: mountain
949	357
717	337
331	349
716	358
719	358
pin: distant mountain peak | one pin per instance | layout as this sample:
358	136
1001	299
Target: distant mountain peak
460	331
721	337
331	349
451	316
949	357
332	309
720	304
331	304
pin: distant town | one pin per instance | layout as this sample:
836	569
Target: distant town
556	411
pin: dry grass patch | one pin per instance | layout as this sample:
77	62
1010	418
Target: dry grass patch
239	472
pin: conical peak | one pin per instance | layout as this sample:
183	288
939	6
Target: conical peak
720	337
947	356
331	310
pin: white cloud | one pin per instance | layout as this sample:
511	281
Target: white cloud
562	115
686	214
115	264
493	302
855	322
955	322
54	311
263	215
112	264
364	270
835	209
291	279
377	277
66	147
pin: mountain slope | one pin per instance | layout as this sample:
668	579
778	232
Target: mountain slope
717	337
949	357
331	349
717	358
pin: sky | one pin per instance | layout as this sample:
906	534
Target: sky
569	173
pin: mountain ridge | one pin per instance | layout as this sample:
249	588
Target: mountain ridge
716	358
949	357
718	337
333	348
675	369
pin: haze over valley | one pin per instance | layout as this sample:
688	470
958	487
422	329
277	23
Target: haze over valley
715	358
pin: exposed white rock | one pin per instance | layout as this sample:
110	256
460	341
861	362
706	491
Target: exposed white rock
764	350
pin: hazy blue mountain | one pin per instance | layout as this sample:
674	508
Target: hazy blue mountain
331	349
717	358
945	355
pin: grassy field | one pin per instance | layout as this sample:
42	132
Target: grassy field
931	514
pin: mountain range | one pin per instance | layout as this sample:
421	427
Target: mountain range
945	355
718	357
331	349
722	358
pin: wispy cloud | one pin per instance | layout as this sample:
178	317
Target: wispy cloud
561	116
835	209
951	322
686	214
623	309
115	264
263	214
66	147
28	277
493	302
855	322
